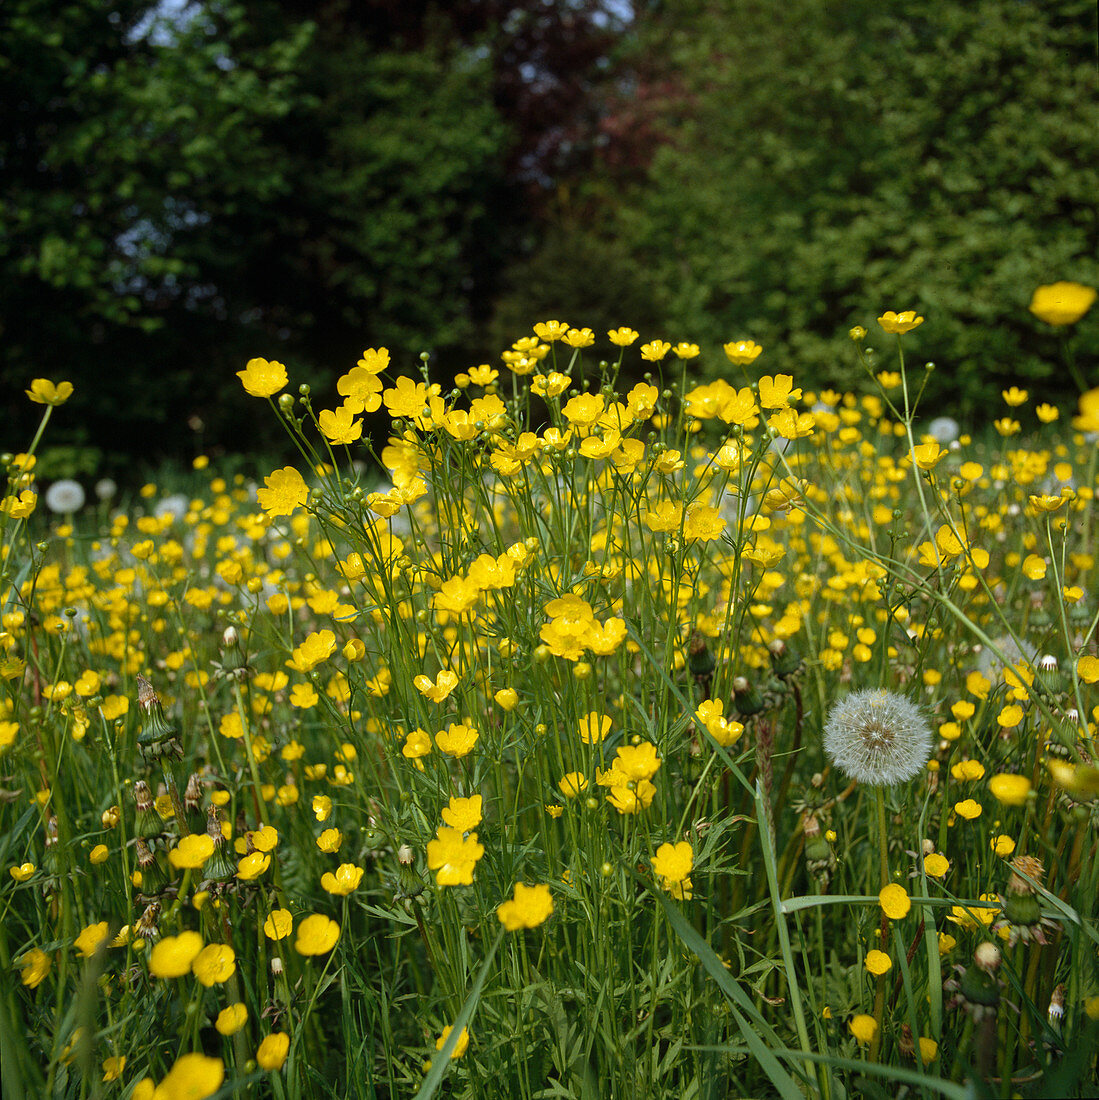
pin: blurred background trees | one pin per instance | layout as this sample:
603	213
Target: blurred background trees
185	186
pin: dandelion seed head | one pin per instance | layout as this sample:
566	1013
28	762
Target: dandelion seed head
65	496
944	430
877	737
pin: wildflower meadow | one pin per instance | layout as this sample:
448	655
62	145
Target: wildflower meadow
621	720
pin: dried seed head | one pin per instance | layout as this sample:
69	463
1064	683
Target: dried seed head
146	694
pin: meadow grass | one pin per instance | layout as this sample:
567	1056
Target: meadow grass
507	776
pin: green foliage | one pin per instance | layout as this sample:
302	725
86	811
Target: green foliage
838	162
179	197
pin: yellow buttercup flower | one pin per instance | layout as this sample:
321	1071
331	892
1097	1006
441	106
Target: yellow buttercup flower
272	1051
928	455
864	1028
742	352
894	901
878	963
317	935
261	378
1011	790
1062	303
899	323
45	392
529	907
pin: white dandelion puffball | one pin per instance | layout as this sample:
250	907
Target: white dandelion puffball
944	429
65	496
877	737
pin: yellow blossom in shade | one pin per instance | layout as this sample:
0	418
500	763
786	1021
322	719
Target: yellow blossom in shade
346	879
330	841
864	1028
528	907
231	726
35	965
304	696
463	814
1002	845
460	1046
622	337
777	392
878	963
1062	303
192	851
45	392
968	770
975	916
318	646
322	806
977	685
1088	420
583	410
1034	567
578	338
927	455
685	351
252	866
1087	668
272	1051
456	740
285	491
899	323
317	935
507	698
231	1019
193	1077
416	744
114	706
1011	790
1014	397
172	956
438	689
113	1067
265	839
360	389
637	761
339	426
21	506
947	943
929	1050
703	523
936	865
278	925
655	350
1010	716
214	964
453	856
572	784
632	799
90	938
22	872
594	728
742	352
673	862
969	809
261	378
551	330
1046	503
894	901
1046	413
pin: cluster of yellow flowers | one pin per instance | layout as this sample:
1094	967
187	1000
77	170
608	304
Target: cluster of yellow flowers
533	645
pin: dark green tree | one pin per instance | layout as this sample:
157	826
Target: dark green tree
283	179
835	161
